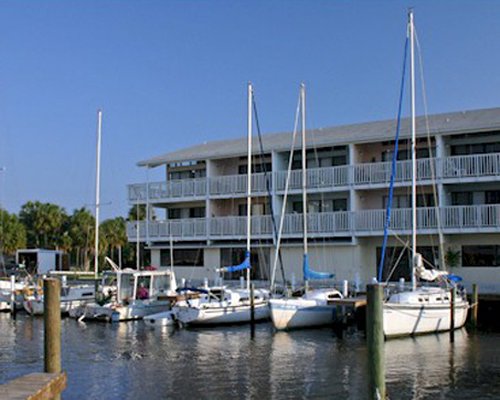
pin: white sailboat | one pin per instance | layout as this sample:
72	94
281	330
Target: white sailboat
222	305
426	308
312	308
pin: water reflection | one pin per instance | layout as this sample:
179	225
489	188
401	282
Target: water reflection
131	360
428	364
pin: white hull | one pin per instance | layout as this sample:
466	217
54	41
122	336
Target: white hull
116	313
405	319
72	298
300	313
424	310
215	314
166	318
35	306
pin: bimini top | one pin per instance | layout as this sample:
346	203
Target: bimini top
473	121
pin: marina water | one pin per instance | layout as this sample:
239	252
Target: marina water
132	361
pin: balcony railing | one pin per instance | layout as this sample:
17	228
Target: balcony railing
360	175
477	165
231	185
453	219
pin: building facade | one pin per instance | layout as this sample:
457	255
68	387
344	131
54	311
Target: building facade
200	207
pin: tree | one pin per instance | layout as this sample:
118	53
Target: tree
44	223
12	233
114	236
137	213
82	232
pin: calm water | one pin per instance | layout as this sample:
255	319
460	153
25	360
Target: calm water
132	361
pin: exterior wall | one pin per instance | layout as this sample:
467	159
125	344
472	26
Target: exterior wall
488	278
364	191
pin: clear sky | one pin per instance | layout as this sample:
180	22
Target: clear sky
169	74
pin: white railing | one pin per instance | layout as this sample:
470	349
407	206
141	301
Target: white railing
316	178
137	192
376	173
456	167
237	184
476	165
454	219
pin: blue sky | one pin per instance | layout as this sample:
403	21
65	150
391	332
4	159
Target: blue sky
169	74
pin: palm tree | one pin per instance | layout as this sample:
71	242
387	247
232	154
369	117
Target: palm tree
82	231
12	233
113	232
43	222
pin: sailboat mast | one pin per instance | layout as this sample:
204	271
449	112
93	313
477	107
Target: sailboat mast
304	163
413	151
249	173
97	192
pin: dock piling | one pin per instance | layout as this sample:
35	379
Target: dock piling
52	326
252	304
474	306
453	293
13	295
375	337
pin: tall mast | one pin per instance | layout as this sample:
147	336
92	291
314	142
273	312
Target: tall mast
304	163
413	151
249	174
97	192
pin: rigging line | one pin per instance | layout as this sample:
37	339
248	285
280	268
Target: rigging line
432	166
285	196
398	260
268	185
393	167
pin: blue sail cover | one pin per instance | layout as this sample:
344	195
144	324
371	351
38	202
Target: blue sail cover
454	278
310	274
244	265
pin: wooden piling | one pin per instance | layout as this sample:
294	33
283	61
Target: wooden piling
252	304
375	337
52	326
453	292
13	295
474	306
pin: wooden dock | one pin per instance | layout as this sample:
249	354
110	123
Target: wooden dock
36	386
352	302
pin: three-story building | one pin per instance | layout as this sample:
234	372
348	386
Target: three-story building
201	204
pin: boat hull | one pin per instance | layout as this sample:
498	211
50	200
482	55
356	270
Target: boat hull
300	313
217	315
415	319
116	313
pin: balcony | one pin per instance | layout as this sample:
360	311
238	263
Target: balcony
182	189
473	168
236	185
453	220
316	178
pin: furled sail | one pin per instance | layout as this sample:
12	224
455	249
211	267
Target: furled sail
310	274
244	265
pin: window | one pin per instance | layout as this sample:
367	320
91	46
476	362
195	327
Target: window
492	197
174	213
182	257
481	256
475	148
197	212
321	206
462	198
402	269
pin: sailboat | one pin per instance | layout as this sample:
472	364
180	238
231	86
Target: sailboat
220	304
426	308
312	307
